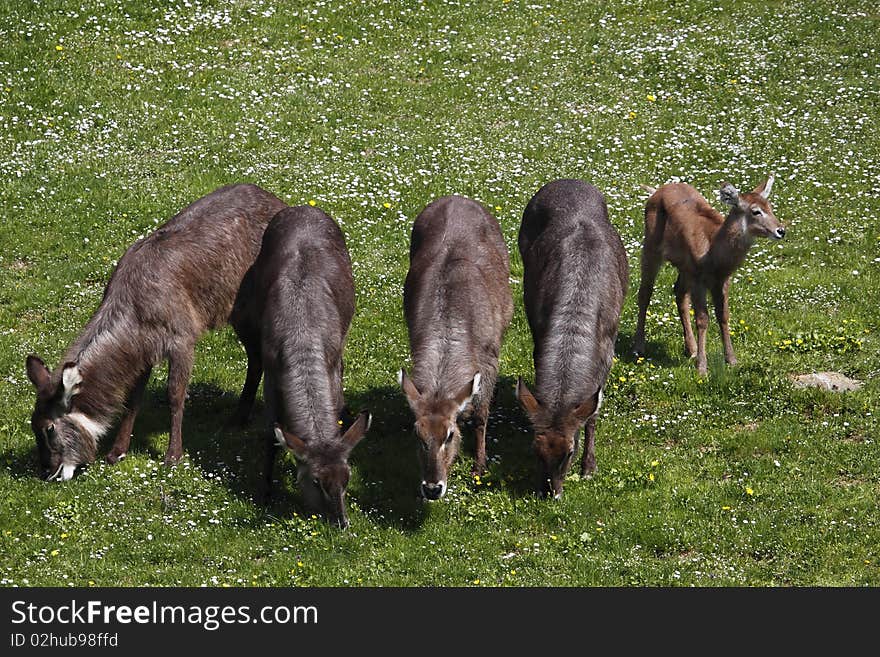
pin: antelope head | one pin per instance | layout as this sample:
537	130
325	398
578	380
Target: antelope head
322	467
65	438
753	209
556	436
437	430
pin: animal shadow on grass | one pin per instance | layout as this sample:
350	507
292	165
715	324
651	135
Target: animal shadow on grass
385	477
658	352
386	486
389	475
21	462
234	455
385	480
511	458
209	440
386	474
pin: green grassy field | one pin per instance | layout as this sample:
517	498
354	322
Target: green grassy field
115	115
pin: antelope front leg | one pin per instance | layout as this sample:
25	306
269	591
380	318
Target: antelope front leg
701	311
123	437
251	383
265	495
588	460
683	302
179	370
481	418
722	315
651	262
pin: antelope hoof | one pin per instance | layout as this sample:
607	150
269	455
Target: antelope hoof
171	460
115	457
588	471
732	361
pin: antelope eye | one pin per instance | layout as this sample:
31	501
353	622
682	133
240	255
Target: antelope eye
449	434
50	432
316	482
757	212
570	453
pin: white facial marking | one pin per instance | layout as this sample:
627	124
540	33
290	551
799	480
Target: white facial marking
55	474
92	427
442	485
71	380
474	390
71	376
67	471
279	439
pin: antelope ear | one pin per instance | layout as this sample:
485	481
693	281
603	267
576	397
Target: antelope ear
764	190
357	430
526	398
590	407
71	381
413	396
729	194
38	373
465	395
291	442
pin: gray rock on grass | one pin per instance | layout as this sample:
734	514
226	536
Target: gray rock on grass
832	381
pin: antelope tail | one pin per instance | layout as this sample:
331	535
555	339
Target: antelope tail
648	189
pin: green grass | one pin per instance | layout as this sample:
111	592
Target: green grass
372	111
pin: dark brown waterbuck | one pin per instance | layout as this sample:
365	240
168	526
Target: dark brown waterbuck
304	304
457	304
575	278
166	291
706	248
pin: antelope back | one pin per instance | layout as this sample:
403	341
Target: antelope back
575	277
457	304
305	299
167	289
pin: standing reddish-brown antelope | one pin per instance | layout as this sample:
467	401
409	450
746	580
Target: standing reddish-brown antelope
304	304
575	277
167	290
706	248
458	304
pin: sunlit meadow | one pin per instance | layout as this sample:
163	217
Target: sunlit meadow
116	114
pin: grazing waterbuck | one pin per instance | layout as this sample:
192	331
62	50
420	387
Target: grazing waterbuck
457	304
168	289
706	248
575	278
304	304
